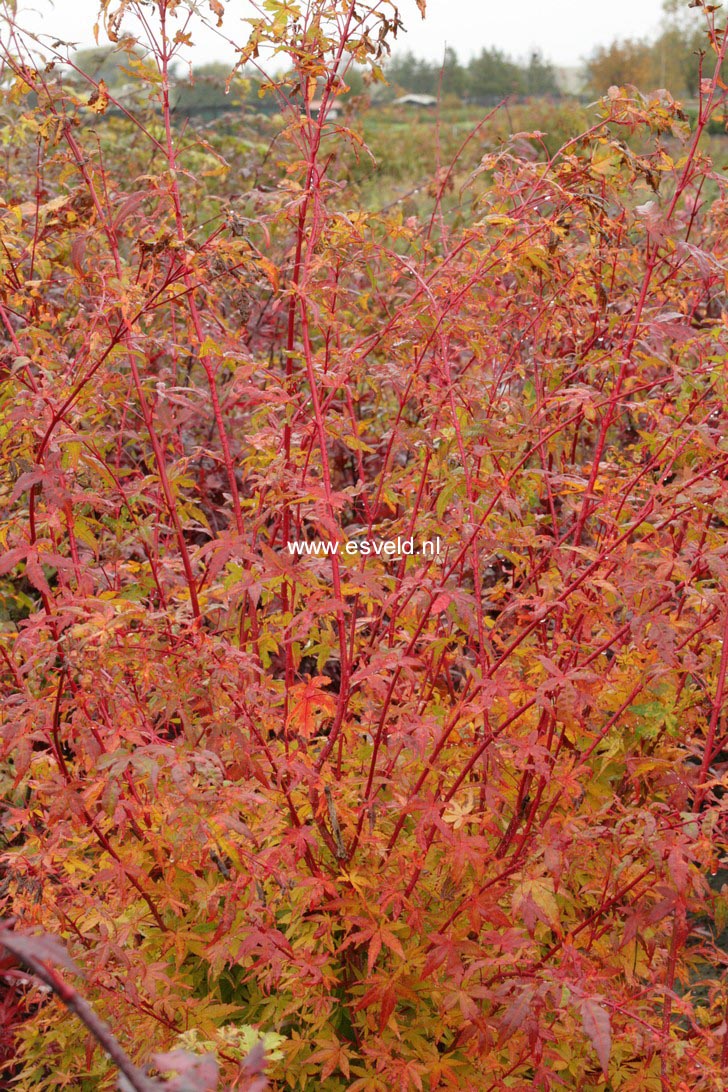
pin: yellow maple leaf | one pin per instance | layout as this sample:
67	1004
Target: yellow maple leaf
99	99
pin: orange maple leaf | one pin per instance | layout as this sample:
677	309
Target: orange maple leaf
308	702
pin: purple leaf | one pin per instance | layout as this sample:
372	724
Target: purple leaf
41	947
596	1023
194	1072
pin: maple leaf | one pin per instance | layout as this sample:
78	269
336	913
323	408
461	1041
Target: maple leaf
217	9
457	813
309	704
515	1014
98	101
595	1020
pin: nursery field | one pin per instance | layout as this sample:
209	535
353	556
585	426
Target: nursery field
363	579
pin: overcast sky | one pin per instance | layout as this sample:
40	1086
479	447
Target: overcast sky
565	31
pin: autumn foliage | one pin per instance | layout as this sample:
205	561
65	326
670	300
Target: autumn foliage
424	823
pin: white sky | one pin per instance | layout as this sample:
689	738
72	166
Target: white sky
565	31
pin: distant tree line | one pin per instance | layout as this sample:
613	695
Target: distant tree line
490	74
672	60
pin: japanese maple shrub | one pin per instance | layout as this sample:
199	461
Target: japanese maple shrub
447	819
